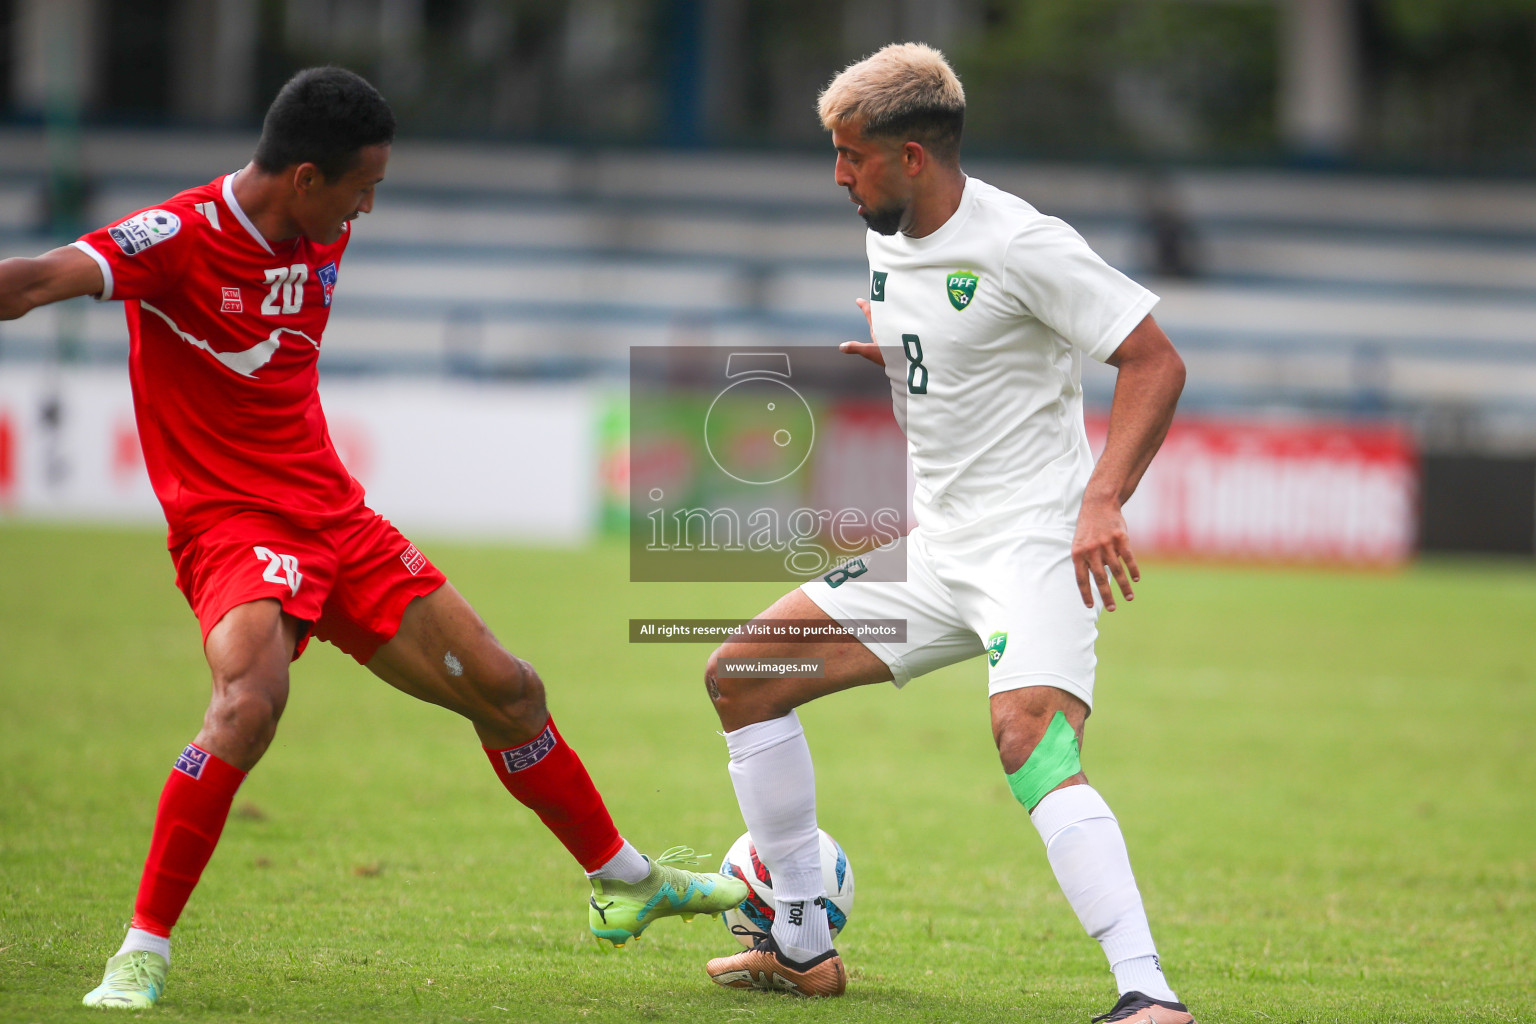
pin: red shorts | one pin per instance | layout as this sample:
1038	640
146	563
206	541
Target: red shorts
349	582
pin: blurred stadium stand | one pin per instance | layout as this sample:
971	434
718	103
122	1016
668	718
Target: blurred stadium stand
1325	292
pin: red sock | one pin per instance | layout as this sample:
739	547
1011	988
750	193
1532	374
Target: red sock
193	807
548	778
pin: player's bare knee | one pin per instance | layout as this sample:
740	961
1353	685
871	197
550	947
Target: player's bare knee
1025	718
728	694
1018	734
1038	744
711	682
512	694
245	716
1016	740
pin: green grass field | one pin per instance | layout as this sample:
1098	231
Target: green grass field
1327	781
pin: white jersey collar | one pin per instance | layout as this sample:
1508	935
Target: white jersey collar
234	207
951	227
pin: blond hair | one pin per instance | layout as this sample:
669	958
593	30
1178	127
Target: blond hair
901	89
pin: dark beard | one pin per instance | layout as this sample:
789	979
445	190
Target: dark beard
886	221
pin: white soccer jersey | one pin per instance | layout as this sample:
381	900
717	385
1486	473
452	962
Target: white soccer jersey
983	325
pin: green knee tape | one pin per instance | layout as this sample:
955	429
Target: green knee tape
1053	761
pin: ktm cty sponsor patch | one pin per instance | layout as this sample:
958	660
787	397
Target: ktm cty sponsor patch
192	761
531	753
231	301
414	560
143	230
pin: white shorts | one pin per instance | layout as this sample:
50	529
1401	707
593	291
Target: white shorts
1012	597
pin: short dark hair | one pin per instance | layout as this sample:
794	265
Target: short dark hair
323	116
937	129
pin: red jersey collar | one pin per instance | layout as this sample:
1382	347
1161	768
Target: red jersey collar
234	207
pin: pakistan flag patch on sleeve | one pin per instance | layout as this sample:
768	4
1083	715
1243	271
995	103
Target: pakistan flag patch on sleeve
997	641
961	288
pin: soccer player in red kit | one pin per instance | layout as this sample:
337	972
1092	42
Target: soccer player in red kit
227	288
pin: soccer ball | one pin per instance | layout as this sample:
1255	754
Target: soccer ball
754	917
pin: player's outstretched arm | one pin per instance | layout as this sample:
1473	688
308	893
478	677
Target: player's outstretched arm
29	282
868	349
1147	387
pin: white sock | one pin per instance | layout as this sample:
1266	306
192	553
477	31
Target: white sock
628	865
138	938
1142	974
776	788
1088	855
800	926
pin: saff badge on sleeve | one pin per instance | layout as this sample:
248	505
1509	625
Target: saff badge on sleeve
143	230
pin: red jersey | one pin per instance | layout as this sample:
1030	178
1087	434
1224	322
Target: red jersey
224	330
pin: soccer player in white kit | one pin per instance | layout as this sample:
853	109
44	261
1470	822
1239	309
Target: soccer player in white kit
981	310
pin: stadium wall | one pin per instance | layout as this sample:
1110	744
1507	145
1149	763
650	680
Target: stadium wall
481	460
544	463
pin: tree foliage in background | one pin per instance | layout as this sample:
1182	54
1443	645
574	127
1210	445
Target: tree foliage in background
1425	19
1450	84
1122	77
